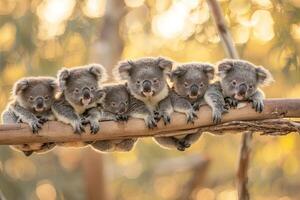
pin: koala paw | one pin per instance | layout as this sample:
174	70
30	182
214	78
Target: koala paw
167	119
191	116
126	145
28	153
217	116
196	106
94	127
35	125
151	122
258	105
84	121
122	118
231	102
42	119
78	127
157	116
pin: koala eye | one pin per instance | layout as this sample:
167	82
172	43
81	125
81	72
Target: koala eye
233	82
138	82
92	88
155	81
201	85
46	97
76	90
113	104
186	84
31	98
250	86
126	102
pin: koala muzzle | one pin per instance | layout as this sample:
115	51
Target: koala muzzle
242	89
39	103
146	86
86	93
122	108
194	90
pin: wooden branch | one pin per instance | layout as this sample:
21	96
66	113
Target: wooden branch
58	132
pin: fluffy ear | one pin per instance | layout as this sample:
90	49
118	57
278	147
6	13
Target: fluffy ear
99	71
164	64
177	73
209	70
53	84
225	66
63	76
20	86
264	77
100	94
124	69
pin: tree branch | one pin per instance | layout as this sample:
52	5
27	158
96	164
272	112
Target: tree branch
233	122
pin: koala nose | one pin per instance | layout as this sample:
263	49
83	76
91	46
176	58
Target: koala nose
194	90
146	86
39	102
122	108
86	93
242	89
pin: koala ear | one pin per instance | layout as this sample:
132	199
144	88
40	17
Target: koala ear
99	71
124	69
264	77
100	94
225	66
53	84
164	64
20	86
209	70
177	73
62	76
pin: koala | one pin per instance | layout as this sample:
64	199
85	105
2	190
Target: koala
191	89
79	91
146	82
240	80
32	98
115	105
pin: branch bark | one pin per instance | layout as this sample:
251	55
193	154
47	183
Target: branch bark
233	121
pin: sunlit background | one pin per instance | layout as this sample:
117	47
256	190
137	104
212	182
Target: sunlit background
39	37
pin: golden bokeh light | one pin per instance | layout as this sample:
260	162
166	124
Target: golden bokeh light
263	24
45	190
94	8
7	36
134	3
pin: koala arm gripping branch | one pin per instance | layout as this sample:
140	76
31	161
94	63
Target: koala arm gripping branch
257	100
65	113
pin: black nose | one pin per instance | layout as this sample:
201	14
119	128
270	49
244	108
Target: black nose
86	93
122	108
146	86
242	89
194	90
39	102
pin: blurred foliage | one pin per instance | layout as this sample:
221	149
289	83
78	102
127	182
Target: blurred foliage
39	37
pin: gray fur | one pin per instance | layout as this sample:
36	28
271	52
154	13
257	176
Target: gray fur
31	103
146	80
191	89
240	81
114	105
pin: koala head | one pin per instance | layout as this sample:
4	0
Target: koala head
240	79
35	93
116	99
146	77
80	84
192	79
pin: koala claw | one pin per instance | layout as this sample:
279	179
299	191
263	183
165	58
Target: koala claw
122	117
196	106
166	118
94	128
84	121
151	123
78	128
191	116
42	120
217	116
258	105
231	102
35	126
184	143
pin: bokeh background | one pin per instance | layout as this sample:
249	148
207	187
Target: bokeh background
39	37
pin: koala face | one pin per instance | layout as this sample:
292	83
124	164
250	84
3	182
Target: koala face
35	94
80	84
116	99
145	77
240	79
191	80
